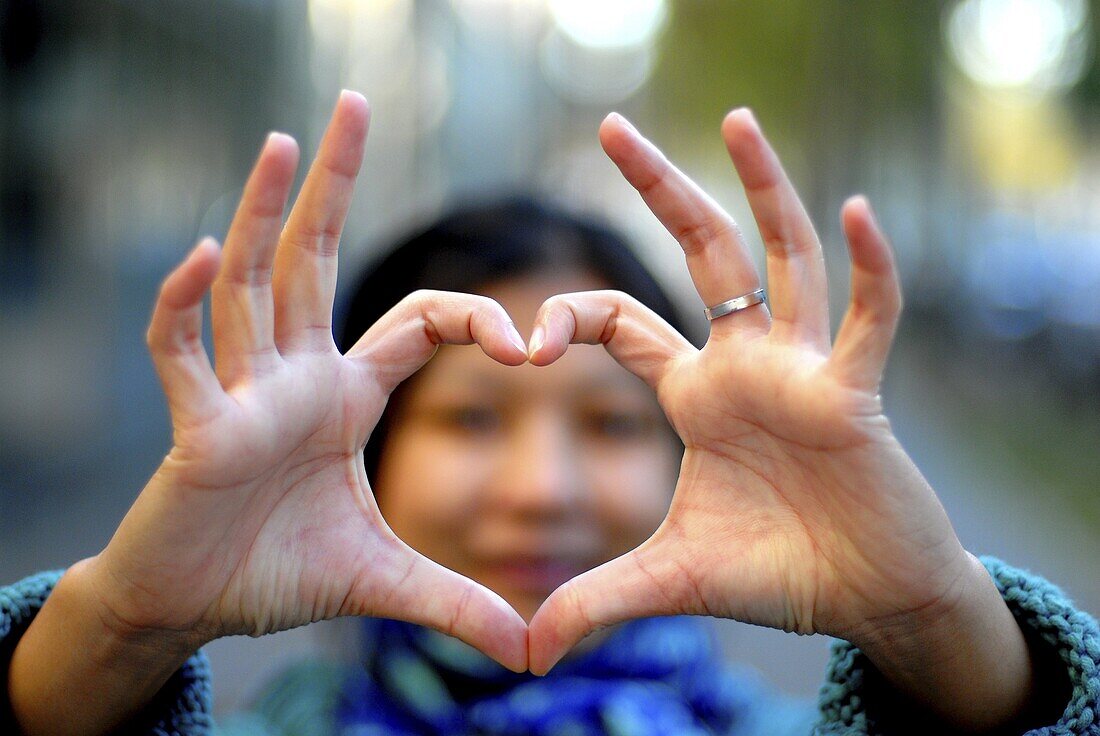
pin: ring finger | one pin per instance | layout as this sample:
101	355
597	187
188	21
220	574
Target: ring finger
242	311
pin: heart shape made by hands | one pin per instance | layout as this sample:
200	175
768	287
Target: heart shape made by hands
795	507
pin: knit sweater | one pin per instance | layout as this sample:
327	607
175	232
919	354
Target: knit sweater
853	699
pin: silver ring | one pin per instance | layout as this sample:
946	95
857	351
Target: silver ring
736	304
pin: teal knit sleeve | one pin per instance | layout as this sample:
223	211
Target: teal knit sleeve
850	698
300	702
182	708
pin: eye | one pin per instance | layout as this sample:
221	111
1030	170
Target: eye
619	425
470	419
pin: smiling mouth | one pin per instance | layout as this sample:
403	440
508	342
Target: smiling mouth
533	574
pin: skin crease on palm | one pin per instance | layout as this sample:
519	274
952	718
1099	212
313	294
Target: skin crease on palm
523	477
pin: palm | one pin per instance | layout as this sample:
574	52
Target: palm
770	523
295	523
789	467
261	518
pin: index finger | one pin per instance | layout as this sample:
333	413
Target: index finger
635	336
407	336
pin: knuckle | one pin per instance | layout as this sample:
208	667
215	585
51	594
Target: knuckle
488	305
417	301
695	237
557	302
340	168
654	177
319	240
423	295
618	299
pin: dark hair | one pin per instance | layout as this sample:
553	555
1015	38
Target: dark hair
475	246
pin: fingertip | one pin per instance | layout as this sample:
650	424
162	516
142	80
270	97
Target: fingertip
756	162
520	662
279	140
540	361
508	638
545	646
354	103
515	355
616	132
618	136
206	258
858	200
538	338
523	660
353	97
740	116
509	644
738	123
861	227
856	212
542	668
510	351
541	351
616	120
186	285
868	247
283	149
207	246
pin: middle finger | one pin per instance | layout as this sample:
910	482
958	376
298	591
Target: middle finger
305	263
717	258
796	264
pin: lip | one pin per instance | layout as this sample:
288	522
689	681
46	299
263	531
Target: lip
533	574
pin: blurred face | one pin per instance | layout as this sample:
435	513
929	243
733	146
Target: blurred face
521	478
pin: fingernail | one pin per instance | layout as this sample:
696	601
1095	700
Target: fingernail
624	122
538	336
861	199
348	93
748	113
276	135
516	340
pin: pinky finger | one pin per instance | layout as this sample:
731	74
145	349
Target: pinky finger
867	332
175	333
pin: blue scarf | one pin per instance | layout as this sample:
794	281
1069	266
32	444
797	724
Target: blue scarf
647	678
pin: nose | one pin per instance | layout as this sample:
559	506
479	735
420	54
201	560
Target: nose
540	474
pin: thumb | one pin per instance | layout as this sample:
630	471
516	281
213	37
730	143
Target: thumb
641	583
423	592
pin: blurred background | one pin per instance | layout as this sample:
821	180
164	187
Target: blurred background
127	128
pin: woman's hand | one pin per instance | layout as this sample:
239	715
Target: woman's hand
260	518
796	507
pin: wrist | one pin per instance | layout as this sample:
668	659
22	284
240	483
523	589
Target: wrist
906	635
123	628
79	669
962	658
